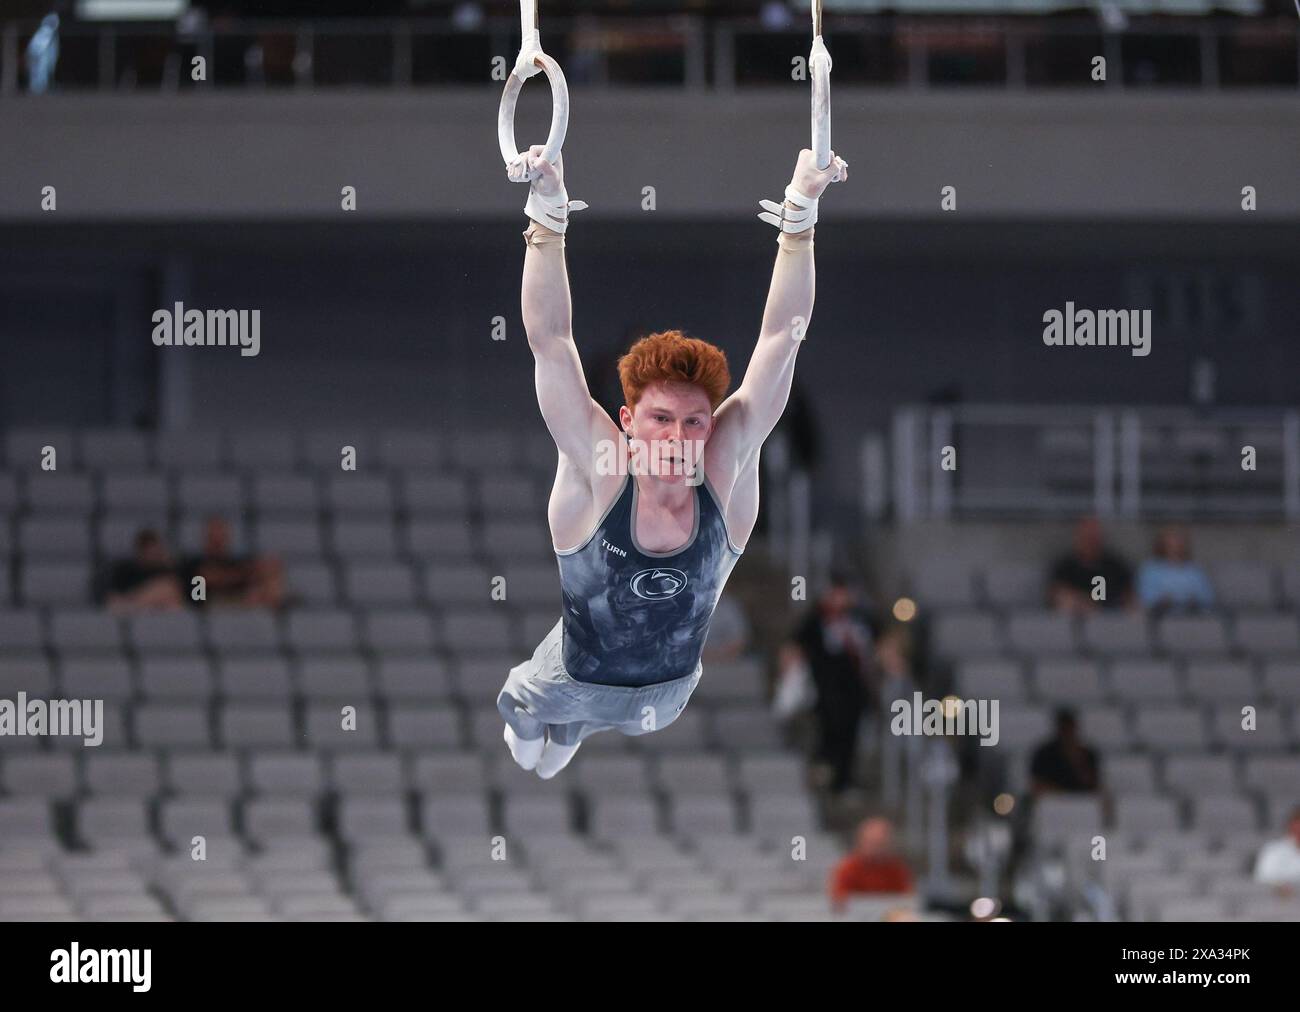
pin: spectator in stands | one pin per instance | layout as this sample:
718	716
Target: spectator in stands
894	665
248	581
834	642
1073	587
1278	862
728	632
1169	580
1064	763
873	867
148	581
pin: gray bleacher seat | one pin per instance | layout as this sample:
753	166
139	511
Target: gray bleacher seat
192	450
30	674
1136	813
311	584
9	498
486	451
1190	775
482	630
1244	585
537	623
451	540
146	493
1221	681
693	774
1224	813
111	730
1269	728
1129	774
458	585
525	817
1115	634
259	677
518	540
285	774
615	817
355	493
441	495
272	450
41	775
129	774
1192	634
1074	680
1014	585
100	820
182	819
329	729
59	538
203	774
992	678
369	584
204	495
447	772
177	678
508	495
778	818
166	633
85	630
368	773
1040	632
965	635
409	631
49	493
1058	818
612	775
532	586
739	679
96	678
1266	633
424	727
290	539
257	725
21	631
338	676
1144	680
944	584
287	495
456	816
268	818
1106	727
116	532
696	816
1281	680
242	631
23	448
324	450
363	540
1170	728
771	774
411	449
172	725
1020	727
418	677
191	531
321	631
741	728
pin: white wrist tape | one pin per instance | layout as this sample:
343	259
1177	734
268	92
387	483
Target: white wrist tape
552	211
799	218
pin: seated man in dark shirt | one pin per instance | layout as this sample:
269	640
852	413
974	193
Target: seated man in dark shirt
147	581
1074	587
1064	763
252	582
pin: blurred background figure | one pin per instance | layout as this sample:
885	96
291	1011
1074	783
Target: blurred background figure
872	867
1064	763
148	581
247	581
1278	863
1169	580
1071	585
834	642
43	55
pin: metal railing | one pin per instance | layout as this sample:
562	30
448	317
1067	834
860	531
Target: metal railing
685	51
1020	461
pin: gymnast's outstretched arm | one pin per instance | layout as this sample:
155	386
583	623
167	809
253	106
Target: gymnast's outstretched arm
753	410
576	422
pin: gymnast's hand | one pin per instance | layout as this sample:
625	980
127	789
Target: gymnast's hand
812	181
546	179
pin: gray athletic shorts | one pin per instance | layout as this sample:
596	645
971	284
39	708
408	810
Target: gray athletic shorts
539	695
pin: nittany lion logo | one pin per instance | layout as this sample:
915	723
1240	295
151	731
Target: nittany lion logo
658	584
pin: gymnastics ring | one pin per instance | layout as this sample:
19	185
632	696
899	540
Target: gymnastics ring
819	63
530	61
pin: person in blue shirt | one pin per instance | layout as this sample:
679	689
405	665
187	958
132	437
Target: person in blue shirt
1170	580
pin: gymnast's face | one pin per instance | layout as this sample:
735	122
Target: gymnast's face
668	429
